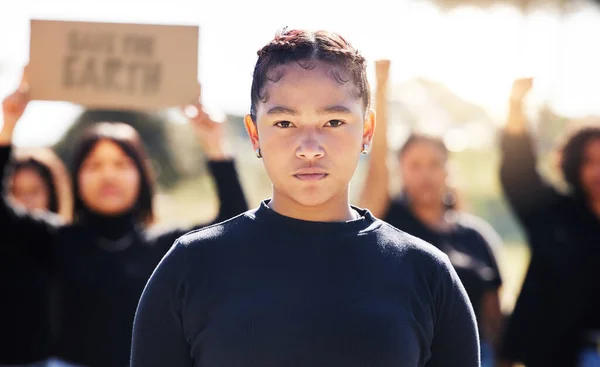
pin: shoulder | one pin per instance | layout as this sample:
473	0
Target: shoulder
223	232
416	250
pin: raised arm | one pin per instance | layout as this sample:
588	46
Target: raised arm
375	192
211	136
524	188
17	226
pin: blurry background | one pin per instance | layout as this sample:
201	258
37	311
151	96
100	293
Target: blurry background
453	63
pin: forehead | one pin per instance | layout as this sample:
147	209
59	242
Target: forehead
422	149
310	88
593	145
27	173
104	148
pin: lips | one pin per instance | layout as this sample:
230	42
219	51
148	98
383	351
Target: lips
310	174
109	191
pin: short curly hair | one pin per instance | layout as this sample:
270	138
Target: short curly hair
573	154
304	47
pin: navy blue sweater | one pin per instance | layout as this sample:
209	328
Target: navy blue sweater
263	289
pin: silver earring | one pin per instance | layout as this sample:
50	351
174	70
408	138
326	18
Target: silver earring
257	151
365	149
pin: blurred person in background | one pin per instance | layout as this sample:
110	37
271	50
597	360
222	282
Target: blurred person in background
556	320
105	257
427	209
37	181
40	181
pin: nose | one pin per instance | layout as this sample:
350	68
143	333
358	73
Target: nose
310	149
109	173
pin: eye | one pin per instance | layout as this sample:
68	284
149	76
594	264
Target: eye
283	124
334	123
91	165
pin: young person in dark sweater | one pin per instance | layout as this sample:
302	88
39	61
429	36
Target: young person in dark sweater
104	259
556	320
306	279
427	209
38	182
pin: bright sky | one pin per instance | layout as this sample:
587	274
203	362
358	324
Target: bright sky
476	53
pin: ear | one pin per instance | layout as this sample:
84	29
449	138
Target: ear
252	131
369	127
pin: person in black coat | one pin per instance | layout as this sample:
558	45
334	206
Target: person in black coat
38	181
104	259
556	320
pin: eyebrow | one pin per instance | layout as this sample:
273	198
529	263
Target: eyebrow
281	110
335	109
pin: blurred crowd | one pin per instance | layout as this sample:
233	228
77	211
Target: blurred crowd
78	246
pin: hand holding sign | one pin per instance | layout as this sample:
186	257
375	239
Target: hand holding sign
13	108
208	131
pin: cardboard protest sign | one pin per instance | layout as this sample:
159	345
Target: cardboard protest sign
113	65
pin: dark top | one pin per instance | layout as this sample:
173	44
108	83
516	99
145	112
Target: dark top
468	245
559	299
101	265
26	291
266	290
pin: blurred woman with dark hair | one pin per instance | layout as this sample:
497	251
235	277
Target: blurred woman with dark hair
38	182
104	259
556	320
428	209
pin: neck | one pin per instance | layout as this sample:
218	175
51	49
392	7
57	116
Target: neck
431	215
109	226
337	209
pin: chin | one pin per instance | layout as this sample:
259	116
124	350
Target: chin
313	199
112	211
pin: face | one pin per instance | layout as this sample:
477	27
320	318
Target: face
109	182
30	190
423	168
310	133
590	170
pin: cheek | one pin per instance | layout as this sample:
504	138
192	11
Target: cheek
411	174
590	175
131	180
440	178
88	182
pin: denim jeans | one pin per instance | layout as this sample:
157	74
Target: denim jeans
487	354
589	357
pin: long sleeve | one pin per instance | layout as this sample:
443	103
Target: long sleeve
229	189
456	339
19	227
158	332
528	194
